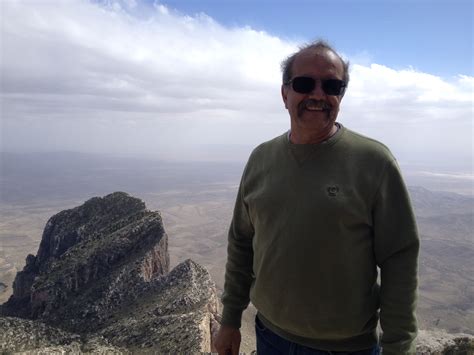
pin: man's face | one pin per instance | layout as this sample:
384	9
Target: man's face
314	112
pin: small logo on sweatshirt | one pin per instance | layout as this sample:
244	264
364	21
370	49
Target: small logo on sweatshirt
332	190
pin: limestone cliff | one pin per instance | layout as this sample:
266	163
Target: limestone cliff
102	269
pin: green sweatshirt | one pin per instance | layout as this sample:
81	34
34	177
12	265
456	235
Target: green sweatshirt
311	224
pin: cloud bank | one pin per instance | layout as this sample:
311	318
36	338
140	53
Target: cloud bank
128	77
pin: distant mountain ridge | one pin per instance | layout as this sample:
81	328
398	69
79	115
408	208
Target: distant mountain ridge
102	270
428	203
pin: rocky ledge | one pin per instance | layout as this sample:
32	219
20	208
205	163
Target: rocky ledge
432	342
33	337
101	277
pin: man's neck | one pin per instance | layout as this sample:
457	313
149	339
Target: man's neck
304	137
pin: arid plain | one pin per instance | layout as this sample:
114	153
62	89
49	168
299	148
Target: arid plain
196	202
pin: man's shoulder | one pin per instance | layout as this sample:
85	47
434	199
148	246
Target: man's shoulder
367	146
265	155
270	145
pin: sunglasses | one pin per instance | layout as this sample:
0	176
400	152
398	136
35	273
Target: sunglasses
306	84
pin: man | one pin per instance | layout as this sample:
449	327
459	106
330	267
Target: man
318	210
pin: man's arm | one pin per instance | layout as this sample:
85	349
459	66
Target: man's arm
238	276
396	250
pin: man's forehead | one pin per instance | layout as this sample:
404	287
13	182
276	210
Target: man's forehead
318	56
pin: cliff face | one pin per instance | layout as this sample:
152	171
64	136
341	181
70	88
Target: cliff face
102	268
178	313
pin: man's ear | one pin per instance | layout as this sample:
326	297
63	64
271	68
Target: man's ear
284	94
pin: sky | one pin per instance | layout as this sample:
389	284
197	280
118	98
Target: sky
200	80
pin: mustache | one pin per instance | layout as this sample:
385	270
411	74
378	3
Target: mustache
313	103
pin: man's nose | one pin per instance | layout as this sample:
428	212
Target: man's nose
317	90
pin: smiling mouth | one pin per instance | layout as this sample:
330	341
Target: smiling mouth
312	108
314	105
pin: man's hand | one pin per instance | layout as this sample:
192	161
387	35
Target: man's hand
227	341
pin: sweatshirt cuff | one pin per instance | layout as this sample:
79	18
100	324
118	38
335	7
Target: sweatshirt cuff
232	317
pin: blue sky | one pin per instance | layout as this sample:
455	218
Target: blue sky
430	35
200	80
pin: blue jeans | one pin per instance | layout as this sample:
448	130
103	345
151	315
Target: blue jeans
269	343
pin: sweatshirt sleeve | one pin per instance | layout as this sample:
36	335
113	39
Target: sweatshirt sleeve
239	268
396	246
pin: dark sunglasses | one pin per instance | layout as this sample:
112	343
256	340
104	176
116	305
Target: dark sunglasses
306	84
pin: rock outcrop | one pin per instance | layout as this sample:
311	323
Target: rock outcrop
102	270
33	337
182	317
431	342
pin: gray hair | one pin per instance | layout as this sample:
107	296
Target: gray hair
318	45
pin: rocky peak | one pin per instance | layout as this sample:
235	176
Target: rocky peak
102	268
81	254
67	228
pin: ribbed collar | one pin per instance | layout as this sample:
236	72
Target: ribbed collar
304	152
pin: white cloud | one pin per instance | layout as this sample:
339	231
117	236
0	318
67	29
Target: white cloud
166	63
119	75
